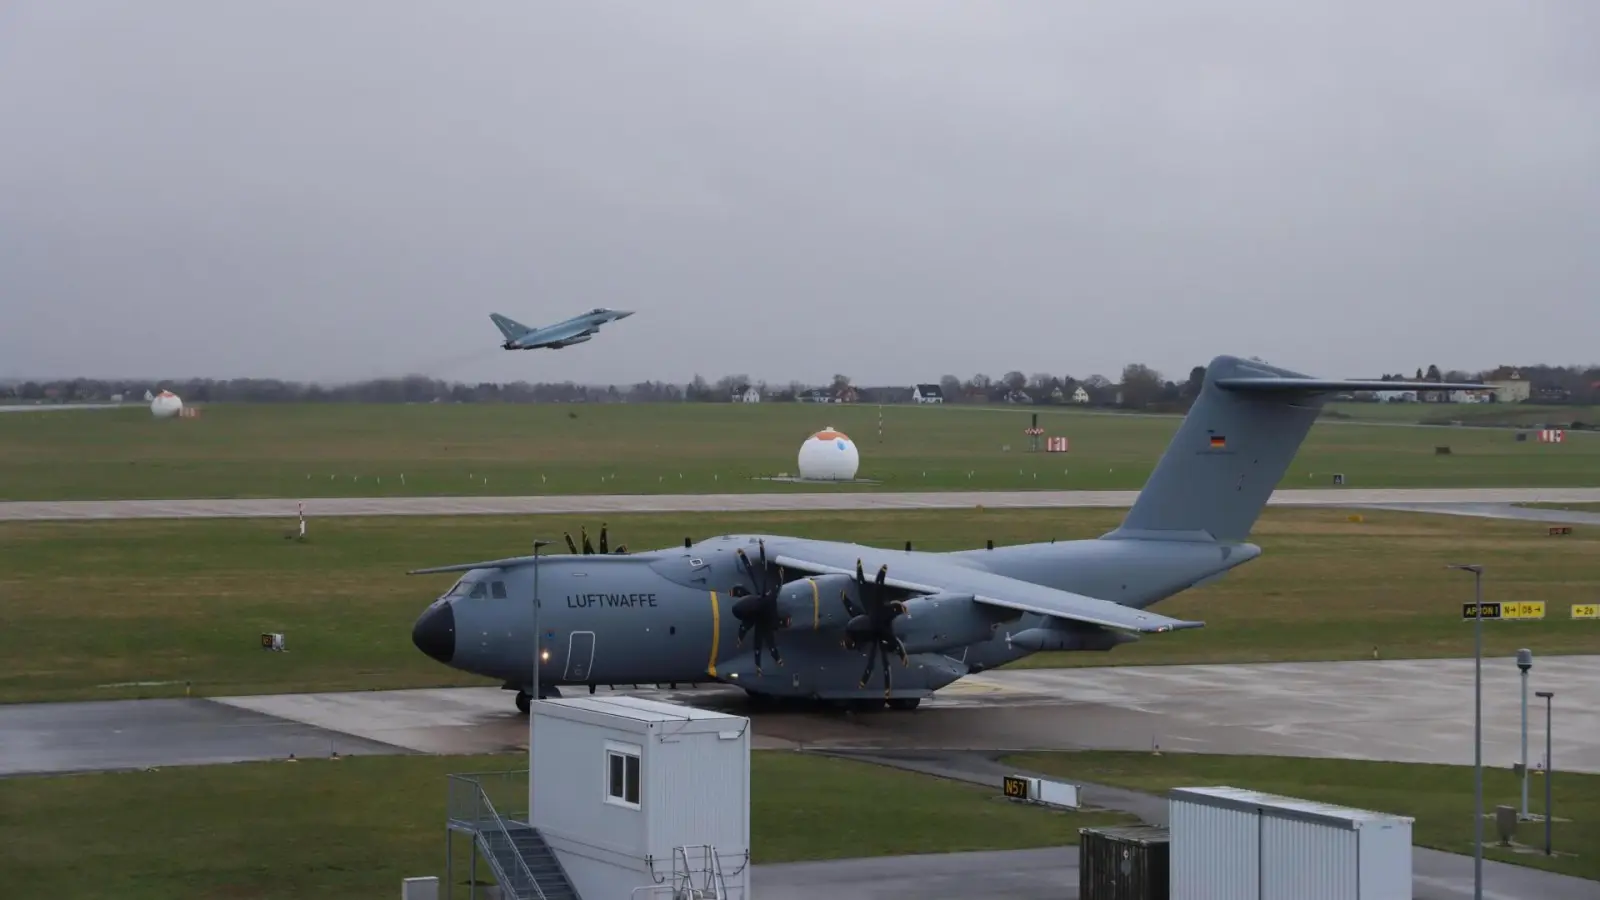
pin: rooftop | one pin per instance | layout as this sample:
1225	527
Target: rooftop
638	709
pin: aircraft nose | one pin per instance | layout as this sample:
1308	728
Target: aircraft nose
435	632
624	313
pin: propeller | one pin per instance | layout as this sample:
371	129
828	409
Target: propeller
588	547
874	625
758	610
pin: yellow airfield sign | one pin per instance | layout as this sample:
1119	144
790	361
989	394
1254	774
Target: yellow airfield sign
1586	610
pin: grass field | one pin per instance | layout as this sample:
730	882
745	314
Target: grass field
1505	415
356	827
1438	797
324	450
104	610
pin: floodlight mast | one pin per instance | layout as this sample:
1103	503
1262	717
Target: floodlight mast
538	653
1477	727
1525	662
1549	767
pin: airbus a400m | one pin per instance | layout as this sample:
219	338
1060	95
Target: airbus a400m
792	617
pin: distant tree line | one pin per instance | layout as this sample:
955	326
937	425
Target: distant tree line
1139	387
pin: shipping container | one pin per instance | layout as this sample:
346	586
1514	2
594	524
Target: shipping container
1234	844
620	783
1128	863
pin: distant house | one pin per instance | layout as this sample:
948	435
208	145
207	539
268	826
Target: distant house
846	394
744	393
1018	397
815	395
1079	395
927	393
1510	387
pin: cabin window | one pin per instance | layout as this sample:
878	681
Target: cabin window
497	590
478	591
622	774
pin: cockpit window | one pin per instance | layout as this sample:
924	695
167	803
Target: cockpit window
497	590
460	589
478	591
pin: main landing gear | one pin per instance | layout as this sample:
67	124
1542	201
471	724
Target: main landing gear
525	700
767	702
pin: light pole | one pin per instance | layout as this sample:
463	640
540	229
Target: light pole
1477	728
1549	769
533	697
537	546
1524	662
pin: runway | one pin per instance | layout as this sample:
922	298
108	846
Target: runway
1434	498
1403	711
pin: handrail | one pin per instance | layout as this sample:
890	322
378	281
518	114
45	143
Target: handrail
478	812
500	827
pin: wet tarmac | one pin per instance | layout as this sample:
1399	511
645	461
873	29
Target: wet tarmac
1051	873
1401	710
40	738
811	500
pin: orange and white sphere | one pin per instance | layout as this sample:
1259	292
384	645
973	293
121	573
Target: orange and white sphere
829	455
166	405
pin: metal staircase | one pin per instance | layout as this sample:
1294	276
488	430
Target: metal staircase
522	863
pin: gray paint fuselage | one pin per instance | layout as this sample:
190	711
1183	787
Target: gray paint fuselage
666	615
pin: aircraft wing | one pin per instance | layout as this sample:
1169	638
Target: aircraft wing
1022	596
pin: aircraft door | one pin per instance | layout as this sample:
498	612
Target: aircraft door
580	656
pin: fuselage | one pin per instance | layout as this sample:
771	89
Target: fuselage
575	330
665	616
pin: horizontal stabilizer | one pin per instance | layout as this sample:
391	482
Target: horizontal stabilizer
1280	385
1028	598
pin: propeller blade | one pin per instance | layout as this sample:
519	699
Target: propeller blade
871	658
883	572
603	544
571	547
888	677
583	532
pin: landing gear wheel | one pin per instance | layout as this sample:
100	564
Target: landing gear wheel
904	703
524	702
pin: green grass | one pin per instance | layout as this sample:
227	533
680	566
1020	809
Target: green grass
91	609
356	827
322	450
1438	797
1503	415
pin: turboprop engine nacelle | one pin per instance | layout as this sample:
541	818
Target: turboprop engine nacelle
1070	637
944	621
813	602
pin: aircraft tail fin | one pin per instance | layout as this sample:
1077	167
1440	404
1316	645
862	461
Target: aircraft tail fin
1234	447
510	328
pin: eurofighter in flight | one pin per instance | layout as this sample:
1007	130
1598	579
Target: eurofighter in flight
575	330
788	617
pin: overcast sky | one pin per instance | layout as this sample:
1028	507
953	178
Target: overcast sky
891	190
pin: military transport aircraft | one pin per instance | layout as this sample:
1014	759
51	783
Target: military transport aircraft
575	330
786	617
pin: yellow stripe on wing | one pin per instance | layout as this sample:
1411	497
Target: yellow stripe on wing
716	636
816	604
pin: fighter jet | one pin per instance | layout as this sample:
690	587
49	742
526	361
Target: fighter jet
575	330
787	617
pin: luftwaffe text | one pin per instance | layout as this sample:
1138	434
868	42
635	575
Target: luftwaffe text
584	601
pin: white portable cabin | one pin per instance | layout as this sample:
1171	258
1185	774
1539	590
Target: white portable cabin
637	797
1233	844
